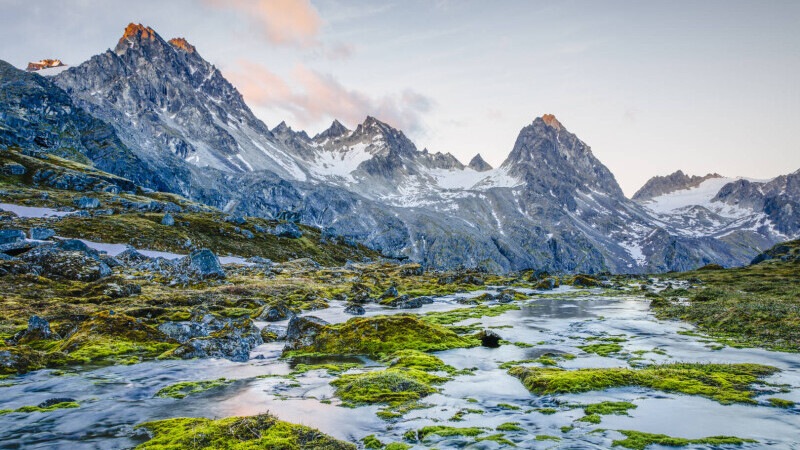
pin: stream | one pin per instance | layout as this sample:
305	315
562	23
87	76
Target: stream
114	399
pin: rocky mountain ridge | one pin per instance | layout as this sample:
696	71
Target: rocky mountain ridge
551	204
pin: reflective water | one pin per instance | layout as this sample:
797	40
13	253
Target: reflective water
115	399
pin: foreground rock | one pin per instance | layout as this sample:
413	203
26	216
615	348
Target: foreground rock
234	342
201	264
54	262
489	339
38	330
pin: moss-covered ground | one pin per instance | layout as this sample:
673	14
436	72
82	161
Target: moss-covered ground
640	441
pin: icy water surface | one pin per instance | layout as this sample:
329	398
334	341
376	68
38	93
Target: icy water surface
114	399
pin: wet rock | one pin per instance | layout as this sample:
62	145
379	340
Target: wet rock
234	342
546	284
489	338
202	264
505	297
287	230
354	309
404	302
275	312
302	330
272	333
38	329
585	281
54	262
86	203
390	293
14	169
41	234
11	236
54	401
182	332
168	220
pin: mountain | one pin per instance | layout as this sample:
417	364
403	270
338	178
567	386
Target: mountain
676	181
165	100
550	205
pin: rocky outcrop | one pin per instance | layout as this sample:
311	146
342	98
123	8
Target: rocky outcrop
234	342
54	262
660	185
478	164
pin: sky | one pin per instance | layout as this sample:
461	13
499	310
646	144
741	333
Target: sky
652	87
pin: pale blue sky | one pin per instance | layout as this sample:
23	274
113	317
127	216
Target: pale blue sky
652	87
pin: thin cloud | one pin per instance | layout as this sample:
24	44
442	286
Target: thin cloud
317	97
284	22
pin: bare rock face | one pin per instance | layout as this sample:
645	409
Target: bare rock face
667	184
478	164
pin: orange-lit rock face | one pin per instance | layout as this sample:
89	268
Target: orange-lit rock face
43	64
182	44
551	121
138	31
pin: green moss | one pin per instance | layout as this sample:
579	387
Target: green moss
261	431
397	446
725	383
547	411
780	403
371	442
476	312
391	386
639	441
459	415
443	431
507	406
499	438
547	437
601	349
609	408
415	359
591	418
181	390
566	429
510	426
332	369
380	335
30	409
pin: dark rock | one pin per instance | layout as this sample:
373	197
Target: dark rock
86	203
41	233
275	312
546	284
404	302
236	220
390	293
354	309
11	236
585	281
489	338
272	333
287	230
202	264
168	220
54	401
302	330
182	332
38	329
14	169
53	262
234	342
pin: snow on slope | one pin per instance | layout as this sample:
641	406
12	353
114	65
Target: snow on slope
678	201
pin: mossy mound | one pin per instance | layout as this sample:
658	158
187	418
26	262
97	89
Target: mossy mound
181	390
391	387
21	359
379	335
584	281
240	433
725	383
109	336
30	409
639	441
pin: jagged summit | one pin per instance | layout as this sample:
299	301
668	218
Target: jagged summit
660	185
44	64
478	164
183	44
134	35
335	130
551	121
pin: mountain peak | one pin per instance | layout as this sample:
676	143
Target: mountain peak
335	130
183	44
135	34
551	121
478	164
676	181
44	64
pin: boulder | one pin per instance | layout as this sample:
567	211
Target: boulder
546	284
247	234
38	330
53	262
235	219
14	169
302	330
41	234
287	230
201	264
54	401
354	309
390	293
168	220
275	312
86	203
404	302
489	338
11	236
182	332
585	281
272	333
234	342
